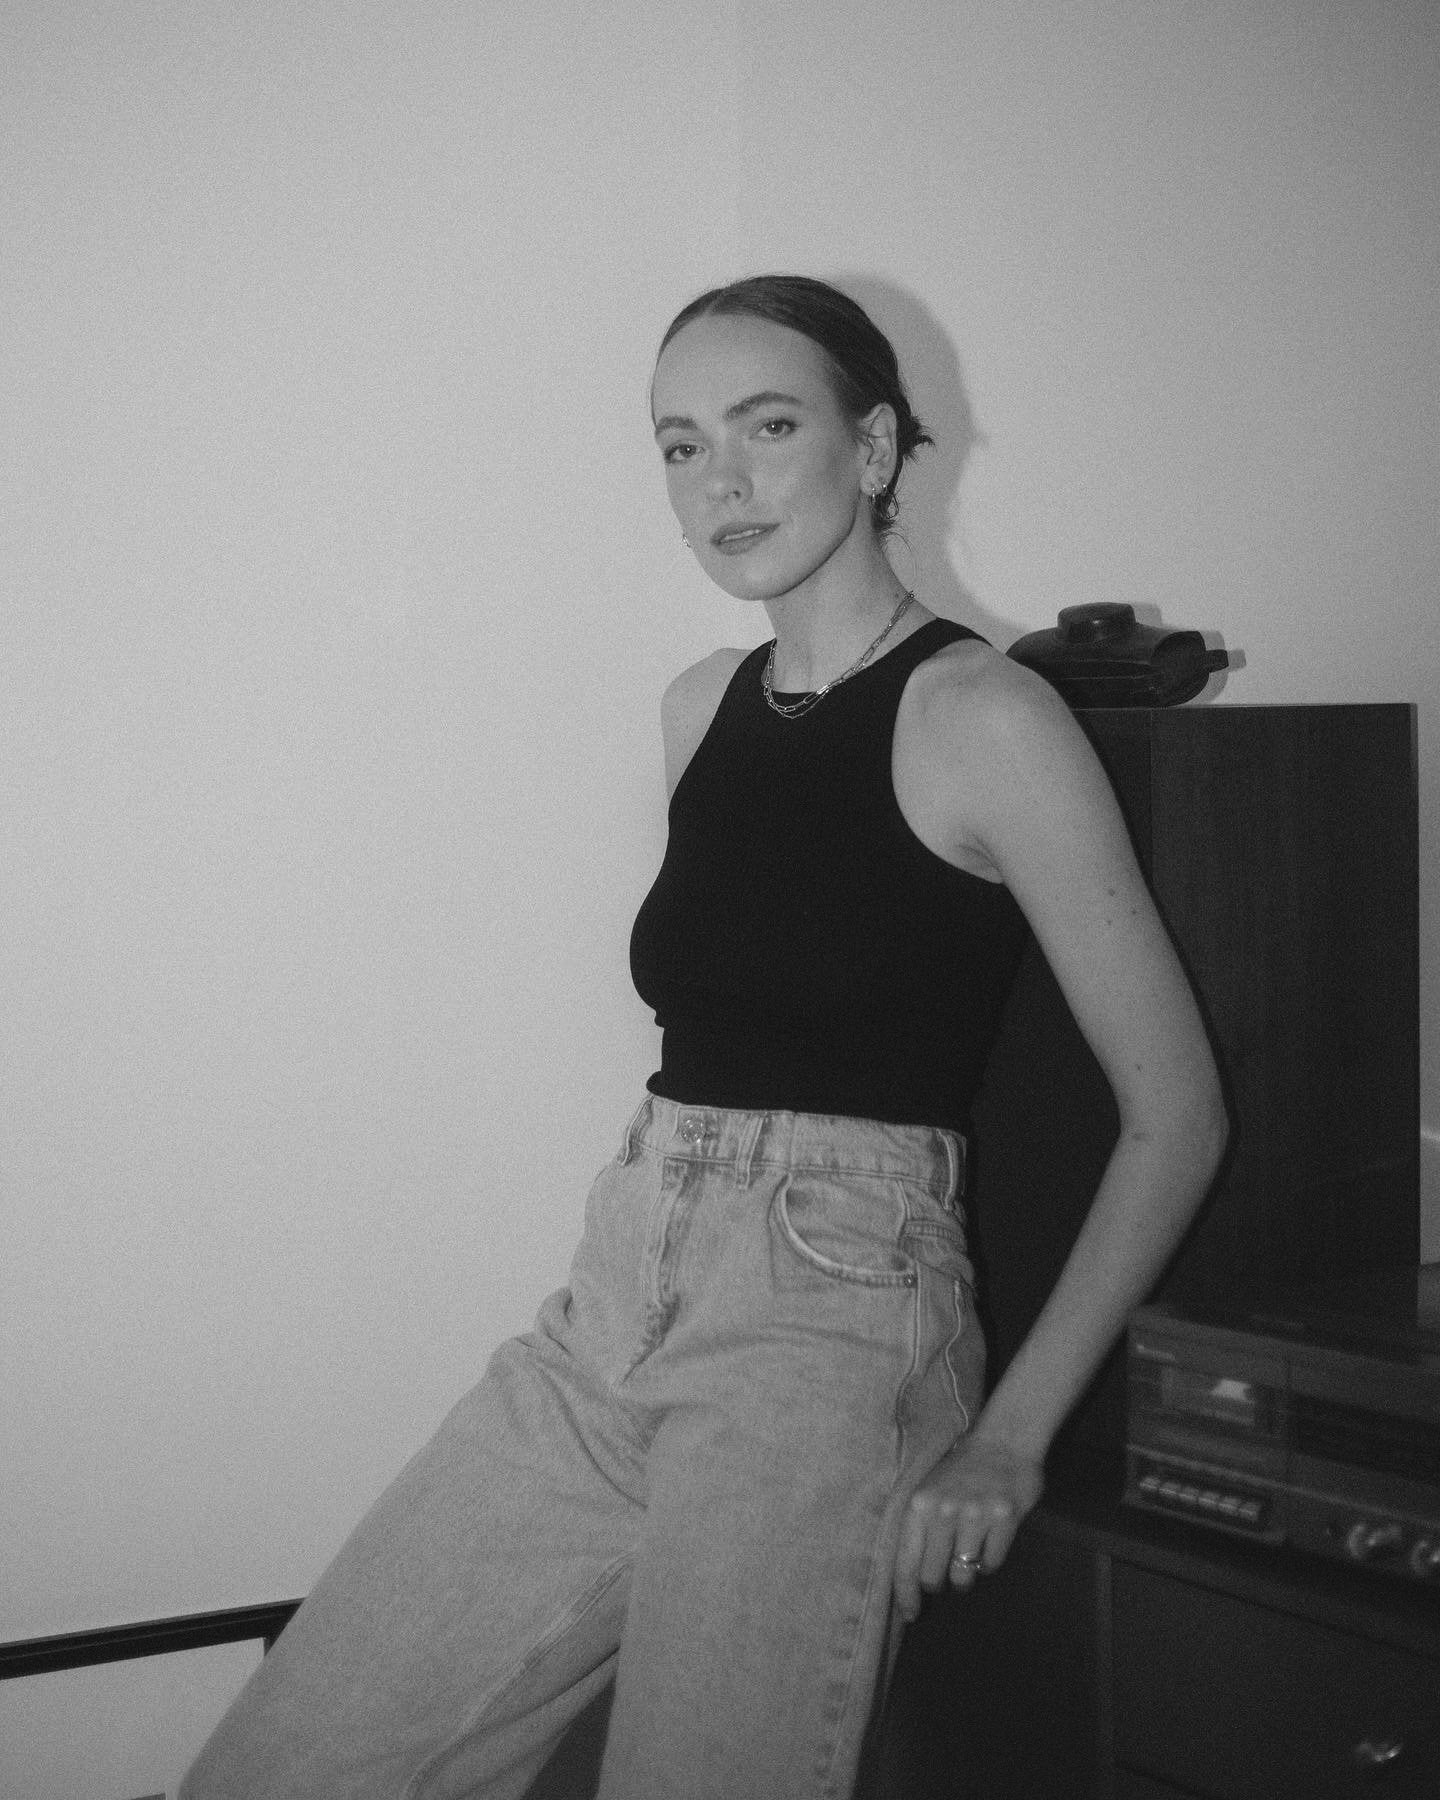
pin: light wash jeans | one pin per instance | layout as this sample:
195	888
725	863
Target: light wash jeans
687	1477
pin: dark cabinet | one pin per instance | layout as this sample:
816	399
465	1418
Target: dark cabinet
1120	1657
1245	1702
1140	1787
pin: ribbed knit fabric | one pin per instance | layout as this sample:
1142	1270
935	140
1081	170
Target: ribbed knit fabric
802	949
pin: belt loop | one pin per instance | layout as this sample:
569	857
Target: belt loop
638	1122
957	1158
749	1138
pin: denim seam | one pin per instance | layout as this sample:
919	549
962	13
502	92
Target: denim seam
475	1722
877	1573
955	1337
937	1186
829	1774
937	1192
664	1237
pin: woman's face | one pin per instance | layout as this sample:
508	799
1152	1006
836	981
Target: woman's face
764	469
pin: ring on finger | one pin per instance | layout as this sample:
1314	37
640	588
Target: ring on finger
965	1560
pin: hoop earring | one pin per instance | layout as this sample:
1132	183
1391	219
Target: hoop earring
883	504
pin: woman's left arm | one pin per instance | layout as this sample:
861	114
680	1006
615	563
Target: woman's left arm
1038	806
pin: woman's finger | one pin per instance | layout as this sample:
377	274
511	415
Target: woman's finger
965	1566
1000	1536
910	1553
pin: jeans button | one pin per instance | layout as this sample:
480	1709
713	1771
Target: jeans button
693	1130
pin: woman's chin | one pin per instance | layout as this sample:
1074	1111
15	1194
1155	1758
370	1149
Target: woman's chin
749	584
752	579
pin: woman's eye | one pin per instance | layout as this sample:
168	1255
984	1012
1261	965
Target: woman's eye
678	453
777	428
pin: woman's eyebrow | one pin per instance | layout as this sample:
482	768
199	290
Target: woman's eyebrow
766	397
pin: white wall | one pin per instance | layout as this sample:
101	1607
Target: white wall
339	589
339	593
1183	263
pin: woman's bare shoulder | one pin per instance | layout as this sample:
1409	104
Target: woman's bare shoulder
707	678
987	747
969	700
689	704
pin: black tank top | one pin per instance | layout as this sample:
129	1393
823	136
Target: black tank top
802	949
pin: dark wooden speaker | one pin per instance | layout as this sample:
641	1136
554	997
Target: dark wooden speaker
1280	843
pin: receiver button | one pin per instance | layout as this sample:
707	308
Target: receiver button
1372	1543
1425	1559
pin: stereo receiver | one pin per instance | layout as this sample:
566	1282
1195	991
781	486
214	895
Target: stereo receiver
1306	1420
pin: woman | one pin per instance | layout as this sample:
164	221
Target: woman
736	1448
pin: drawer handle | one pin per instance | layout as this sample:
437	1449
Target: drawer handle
1376	1755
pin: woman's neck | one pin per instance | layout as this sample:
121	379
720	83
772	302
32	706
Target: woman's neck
822	626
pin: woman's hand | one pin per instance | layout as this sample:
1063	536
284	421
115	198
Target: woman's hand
963	1518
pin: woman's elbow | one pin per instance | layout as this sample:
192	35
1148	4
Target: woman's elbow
1216	1132
1206	1126
1191	1122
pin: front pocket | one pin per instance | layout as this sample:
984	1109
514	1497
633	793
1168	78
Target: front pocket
846	1227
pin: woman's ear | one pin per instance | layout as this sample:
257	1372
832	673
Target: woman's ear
877	432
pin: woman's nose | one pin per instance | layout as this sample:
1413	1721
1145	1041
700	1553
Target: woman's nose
727	476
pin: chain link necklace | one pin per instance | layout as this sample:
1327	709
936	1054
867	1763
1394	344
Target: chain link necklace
796	709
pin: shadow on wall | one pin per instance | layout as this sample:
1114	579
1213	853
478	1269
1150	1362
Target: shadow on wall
936	384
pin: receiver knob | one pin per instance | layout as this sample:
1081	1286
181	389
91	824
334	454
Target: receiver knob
1369	1543
1425	1558
1377	1755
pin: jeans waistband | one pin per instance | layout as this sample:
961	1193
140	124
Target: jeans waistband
928	1155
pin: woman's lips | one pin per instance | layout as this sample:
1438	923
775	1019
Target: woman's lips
735	540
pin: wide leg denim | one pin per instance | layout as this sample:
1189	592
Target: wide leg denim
687	1477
